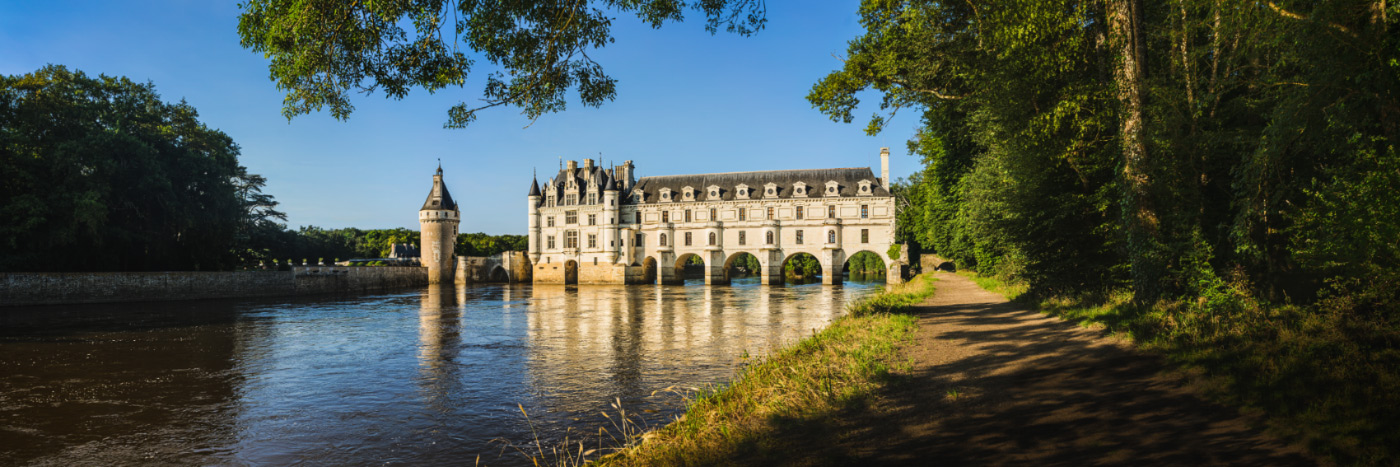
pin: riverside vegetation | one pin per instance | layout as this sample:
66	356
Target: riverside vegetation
1216	179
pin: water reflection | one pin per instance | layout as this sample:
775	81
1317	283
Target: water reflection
427	376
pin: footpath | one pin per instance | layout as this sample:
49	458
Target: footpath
997	384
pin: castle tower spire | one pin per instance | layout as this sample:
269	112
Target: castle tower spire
438	220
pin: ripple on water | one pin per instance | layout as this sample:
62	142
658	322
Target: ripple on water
421	376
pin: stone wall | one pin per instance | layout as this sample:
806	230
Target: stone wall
99	287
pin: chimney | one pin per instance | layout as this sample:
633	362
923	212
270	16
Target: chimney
885	167
588	164
573	165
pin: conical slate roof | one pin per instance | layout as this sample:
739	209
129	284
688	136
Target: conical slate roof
534	187
439	199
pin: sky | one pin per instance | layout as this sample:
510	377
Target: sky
687	102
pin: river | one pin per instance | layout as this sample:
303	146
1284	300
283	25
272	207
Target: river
428	376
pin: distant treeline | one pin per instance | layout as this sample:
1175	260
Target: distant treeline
317	243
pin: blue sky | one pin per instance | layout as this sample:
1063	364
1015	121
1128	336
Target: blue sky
687	102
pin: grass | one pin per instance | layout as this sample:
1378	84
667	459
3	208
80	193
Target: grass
797	387
1319	377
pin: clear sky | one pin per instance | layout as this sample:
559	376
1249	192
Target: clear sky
688	102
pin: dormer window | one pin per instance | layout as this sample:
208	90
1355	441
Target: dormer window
865	188
770	190
741	191
665	195
799	189
689	193
714	192
833	188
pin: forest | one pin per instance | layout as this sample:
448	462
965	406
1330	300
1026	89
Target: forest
1216	179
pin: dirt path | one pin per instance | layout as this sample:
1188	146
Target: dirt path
996	384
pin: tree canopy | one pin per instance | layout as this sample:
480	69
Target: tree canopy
323	50
100	174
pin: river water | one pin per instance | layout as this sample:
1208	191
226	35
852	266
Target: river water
429	376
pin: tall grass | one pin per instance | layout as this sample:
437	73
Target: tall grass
834	369
1319	377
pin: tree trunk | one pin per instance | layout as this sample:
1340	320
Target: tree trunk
1140	217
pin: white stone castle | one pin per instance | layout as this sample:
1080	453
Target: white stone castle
592	225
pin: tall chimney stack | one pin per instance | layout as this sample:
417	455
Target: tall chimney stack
885	167
573	165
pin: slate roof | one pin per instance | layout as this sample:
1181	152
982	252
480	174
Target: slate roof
439	199
581	177
534	188
848	183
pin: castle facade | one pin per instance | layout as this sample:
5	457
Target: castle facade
594	225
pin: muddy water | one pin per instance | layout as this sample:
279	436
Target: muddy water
432	376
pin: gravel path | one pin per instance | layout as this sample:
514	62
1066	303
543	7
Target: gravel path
996	384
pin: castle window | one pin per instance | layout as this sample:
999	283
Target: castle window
549	202
713	217
592	241
592	219
741	237
712	238
592	198
687	239
687	215
663	240
831	236
639	240
770	212
549	221
799	212
570	200
638	217
865	211
549	242
865	235
799	237
831	212
770	238
743	214
570	217
571	239
665	216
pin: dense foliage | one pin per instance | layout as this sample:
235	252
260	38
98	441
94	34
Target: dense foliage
99	174
323	50
1212	160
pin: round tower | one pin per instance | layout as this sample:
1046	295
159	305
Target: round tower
438	220
534	217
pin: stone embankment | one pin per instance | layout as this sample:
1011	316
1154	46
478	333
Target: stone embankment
103	287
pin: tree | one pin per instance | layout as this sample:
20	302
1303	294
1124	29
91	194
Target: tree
101	175
322	50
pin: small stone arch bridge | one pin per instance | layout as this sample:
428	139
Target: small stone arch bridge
509	266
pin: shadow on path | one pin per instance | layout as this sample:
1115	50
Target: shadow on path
993	383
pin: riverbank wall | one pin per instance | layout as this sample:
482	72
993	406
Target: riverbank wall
24	288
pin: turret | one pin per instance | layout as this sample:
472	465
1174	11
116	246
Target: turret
438	220
534	219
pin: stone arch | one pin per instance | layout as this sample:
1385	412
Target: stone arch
649	270
732	263
804	271
498	274
571	272
879	270
682	260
